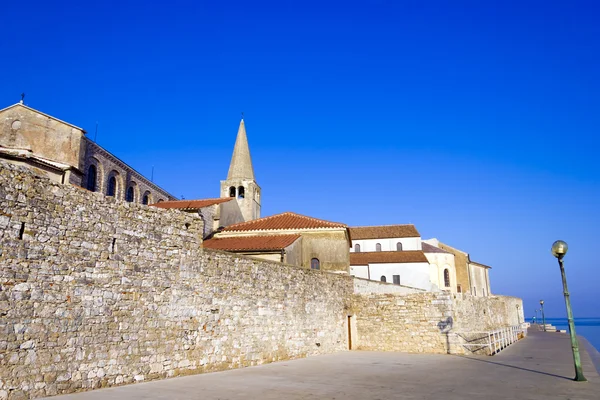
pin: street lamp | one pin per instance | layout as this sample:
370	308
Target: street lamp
559	249
543	316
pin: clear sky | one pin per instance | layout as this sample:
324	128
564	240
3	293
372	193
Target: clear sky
477	121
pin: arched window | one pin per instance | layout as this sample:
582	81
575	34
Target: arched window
446	278
91	180
232	191
383	278
160	200
129	196
112	186
357	248
399	246
145	199
315	264
241	193
378	247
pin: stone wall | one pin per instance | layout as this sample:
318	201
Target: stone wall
97	292
428	322
366	286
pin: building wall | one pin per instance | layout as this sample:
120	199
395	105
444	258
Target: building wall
414	275
480	284
23	128
108	165
97	292
461	262
366	286
428	322
330	247
438	262
229	214
387	244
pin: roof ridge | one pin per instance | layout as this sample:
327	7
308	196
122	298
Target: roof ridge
245	223
378	226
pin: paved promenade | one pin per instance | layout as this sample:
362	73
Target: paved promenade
538	367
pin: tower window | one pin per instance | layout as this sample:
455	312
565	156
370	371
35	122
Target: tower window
112	186
315	263
399	246
241	193
91	181
446	278
232	191
383	278
378	247
396	279
129	196
357	248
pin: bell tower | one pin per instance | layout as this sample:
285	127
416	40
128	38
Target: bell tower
240	181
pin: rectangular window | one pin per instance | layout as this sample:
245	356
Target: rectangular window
458	288
396	279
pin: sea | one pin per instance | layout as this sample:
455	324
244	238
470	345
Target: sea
587	327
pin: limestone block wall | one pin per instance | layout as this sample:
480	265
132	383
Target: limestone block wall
98	292
428	322
401	322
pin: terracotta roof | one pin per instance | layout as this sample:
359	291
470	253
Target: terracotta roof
427	248
251	243
385	257
286	220
383	232
191	204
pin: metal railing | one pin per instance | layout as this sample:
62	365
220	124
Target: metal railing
492	342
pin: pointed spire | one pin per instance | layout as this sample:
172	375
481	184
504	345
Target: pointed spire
241	163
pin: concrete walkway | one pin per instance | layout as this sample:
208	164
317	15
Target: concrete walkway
538	367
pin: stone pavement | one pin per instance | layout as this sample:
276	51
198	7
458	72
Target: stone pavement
538	367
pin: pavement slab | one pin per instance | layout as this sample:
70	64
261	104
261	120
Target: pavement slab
537	367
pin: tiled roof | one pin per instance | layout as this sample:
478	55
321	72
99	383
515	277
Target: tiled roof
251	243
283	221
383	232
385	257
191	204
427	248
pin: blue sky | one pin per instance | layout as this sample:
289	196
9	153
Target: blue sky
476	121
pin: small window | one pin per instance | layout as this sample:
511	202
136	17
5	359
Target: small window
383	278
378	247
396	279
145	199
458	289
232	191
91	181
315	264
241	192
357	248
446	278
112	186
129	196
399	246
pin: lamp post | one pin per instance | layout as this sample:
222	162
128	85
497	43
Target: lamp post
536	317
559	249
543	316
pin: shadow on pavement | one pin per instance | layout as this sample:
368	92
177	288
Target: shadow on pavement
515	367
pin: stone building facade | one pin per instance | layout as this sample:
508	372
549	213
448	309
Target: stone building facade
62	152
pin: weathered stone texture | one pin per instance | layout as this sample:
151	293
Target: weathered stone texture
98	292
428	322
364	286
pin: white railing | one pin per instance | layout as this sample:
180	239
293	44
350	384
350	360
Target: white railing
492	342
